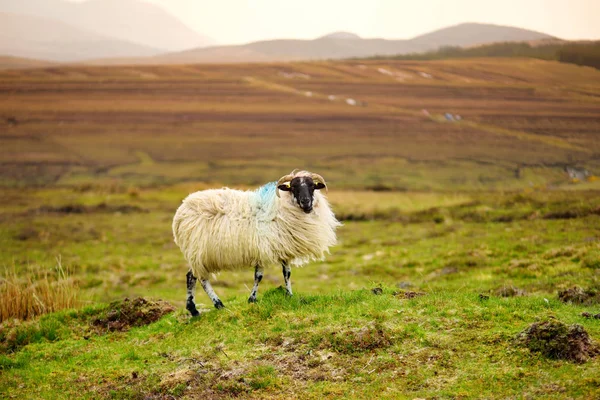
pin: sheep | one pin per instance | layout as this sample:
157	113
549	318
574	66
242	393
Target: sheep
287	222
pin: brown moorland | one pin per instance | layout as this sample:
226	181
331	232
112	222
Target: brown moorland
365	123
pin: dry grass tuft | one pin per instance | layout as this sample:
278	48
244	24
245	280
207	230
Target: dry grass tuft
41	292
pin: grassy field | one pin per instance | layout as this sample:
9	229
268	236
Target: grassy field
457	235
488	265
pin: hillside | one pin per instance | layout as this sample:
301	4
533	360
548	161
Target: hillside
471	34
327	47
7	62
46	39
467	265
471	124
425	300
347	45
127	20
586	53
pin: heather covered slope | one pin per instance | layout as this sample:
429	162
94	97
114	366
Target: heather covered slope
522	122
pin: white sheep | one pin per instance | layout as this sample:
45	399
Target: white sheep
288	222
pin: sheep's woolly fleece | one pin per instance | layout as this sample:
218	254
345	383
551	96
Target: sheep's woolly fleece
226	229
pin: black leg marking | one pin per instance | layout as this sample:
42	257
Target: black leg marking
287	273
211	293
191	289
258	275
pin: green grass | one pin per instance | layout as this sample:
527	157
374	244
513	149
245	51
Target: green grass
347	343
335	337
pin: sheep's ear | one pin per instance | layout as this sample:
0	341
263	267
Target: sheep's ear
319	185
285	187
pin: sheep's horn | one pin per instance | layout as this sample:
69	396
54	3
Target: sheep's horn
283	179
319	178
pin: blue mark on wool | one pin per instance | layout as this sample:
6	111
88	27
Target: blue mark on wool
266	193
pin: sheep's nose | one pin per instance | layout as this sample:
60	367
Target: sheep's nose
305	202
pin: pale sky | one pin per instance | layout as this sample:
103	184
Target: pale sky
242	21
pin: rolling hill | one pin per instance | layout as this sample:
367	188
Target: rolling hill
345	45
8	62
471	34
127	20
47	39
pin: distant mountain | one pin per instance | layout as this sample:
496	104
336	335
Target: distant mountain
290	49
346	45
129	20
46	39
470	34
341	35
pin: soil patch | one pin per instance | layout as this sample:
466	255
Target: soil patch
377	291
123	315
408	294
577	295
356	340
586	314
509	291
556	340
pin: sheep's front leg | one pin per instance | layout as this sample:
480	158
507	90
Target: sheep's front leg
191	289
258	275
211	293
287	273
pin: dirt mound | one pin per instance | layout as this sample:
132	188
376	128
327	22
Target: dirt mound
357	340
377	291
556	340
123	315
586	314
577	295
176	379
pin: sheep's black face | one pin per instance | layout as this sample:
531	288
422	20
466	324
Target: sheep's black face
303	189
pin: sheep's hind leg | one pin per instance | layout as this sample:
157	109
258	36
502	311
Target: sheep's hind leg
211	293
191	289
258	275
287	273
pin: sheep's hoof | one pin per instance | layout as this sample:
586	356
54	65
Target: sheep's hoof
252	299
191	307
219	304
